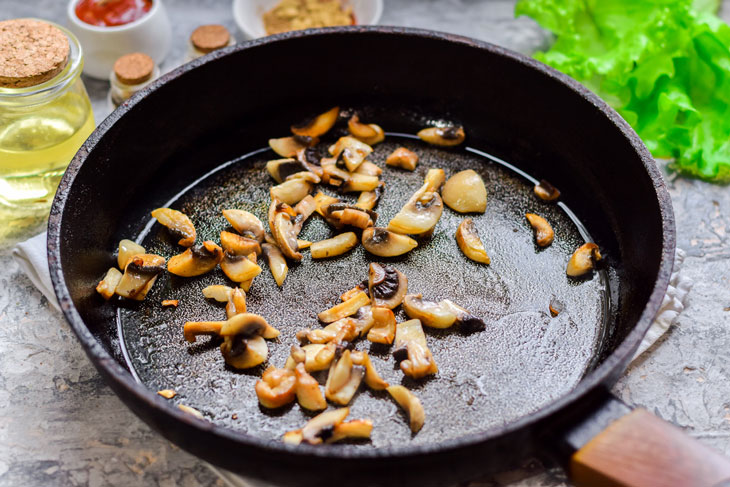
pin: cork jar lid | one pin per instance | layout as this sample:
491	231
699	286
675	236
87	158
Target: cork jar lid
133	69
208	38
31	52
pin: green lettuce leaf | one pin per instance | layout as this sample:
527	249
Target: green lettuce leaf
664	65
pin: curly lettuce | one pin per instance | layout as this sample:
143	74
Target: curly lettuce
664	65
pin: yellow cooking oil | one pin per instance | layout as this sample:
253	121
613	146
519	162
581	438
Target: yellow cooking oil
38	142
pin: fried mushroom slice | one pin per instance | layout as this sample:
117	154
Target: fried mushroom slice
308	158
383	329
544	233
370	134
235	244
177	223
319	429
583	260
291	191
410	404
372	378
319	125
110	282
281	169
313	361
286	237
344	309
245	223
303	210
236	303
443	136
369	169
246	285
465	192
289	146
276	262
276	388
419	215
411	346
403	158
322	201
356	218
339	331
196	260
355	429
434	180
363	286
352	151
368	200
469	242
140	274
384	243
387	286
193	329
334	246
243	345
441	315
546	191
343	380
307	390
127	250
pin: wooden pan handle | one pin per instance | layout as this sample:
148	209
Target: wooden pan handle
641	450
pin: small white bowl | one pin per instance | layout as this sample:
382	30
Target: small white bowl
248	14
150	34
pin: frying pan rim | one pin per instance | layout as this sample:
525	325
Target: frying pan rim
614	363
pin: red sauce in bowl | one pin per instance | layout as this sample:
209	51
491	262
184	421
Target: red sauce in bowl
110	13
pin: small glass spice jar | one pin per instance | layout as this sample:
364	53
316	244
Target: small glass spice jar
45	113
208	38
131	73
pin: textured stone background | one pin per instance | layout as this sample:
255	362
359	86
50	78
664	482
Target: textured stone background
60	424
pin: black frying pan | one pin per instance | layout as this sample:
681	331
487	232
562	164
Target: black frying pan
196	141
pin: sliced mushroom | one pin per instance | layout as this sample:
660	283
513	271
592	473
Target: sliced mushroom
345	309
372	378
371	134
383	330
465	192
319	429
355	429
286	237
308	158
245	223
343	380
193	329
304	210
236	303
308	392
443	136
218	292
196	260
303	244
167	393
276	388
546	191
363	320
369	199
140	274
291	191
235	244
275	208
387	285
367	168
314	362
289	146
276	261
127	250
246	285
334	246
190	411
434	180
110	282
352	151
280	169
544	233
341	330
307	176
583	259
322	201
403	158
177	223
419	215
469	242
356	218
319	125
360	182
363	286
443	314
383	243
410	341
243	345
410	404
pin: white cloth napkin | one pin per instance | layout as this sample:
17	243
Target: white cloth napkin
33	260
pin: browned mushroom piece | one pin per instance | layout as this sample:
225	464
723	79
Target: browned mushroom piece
276	262
368	200
352	152
383	243
443	314
196	260
367	168
334	246
363	286
465	192
293	190
546	191
245	223
370	134
343	380
419	215
276	388
544	233
110	282
383	329
140	274
403	158
411	405
344	309
281	169
289	146
387	286
443	136
246	285
178	224
372	378
243	345
314	359
469	242
127	250
235	244
319	125
286	236
344	329
275	208
307	390
303	210
322	201
194	329
308	158
583	260
319	429
412	350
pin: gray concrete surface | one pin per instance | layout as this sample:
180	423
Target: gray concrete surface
61	425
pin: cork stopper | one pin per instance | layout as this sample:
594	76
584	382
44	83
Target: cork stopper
208	38
31	52
133	69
